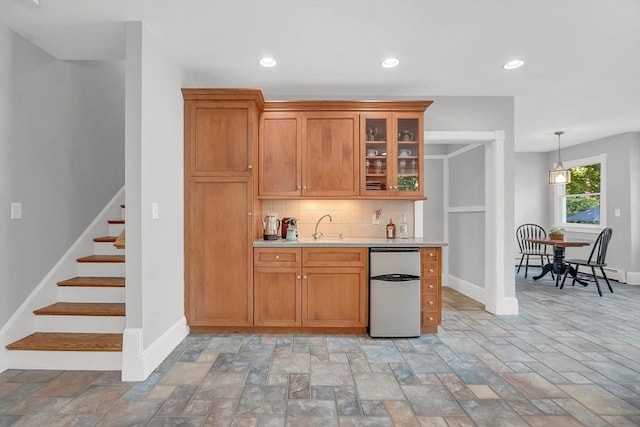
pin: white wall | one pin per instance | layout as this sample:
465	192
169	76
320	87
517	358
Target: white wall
154	170
531	179
61	156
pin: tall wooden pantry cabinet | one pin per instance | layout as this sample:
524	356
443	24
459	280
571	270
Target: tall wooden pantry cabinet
221	213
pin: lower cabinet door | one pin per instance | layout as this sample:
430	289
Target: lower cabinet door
334	297
277	296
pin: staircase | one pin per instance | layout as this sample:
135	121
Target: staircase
84	328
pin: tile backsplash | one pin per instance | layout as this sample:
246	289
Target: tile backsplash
352	218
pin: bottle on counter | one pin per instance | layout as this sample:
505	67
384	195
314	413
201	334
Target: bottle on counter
391	229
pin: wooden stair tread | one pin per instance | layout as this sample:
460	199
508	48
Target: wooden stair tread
116	221
105	239
57	341
98	282
102	258
82	309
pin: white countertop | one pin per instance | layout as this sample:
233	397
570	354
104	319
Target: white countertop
367	242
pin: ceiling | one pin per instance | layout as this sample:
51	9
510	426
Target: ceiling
582	70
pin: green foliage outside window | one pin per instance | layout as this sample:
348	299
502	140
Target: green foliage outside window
583	192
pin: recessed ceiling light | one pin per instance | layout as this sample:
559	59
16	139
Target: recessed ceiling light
390	62
513	64
268	62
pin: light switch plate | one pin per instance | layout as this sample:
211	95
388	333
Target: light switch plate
16	210
155	211
616	212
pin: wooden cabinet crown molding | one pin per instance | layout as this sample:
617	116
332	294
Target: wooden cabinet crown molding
224	95
359	106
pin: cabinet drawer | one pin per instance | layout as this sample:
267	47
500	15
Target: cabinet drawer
429	287
276	257
334	257
429	302
429	318
430	254
430	270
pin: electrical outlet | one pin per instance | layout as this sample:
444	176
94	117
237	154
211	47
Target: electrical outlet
16	210
155	211
616	212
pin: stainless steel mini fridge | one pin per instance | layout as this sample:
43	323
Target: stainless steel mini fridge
394	292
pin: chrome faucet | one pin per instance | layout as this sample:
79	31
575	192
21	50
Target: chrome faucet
316	236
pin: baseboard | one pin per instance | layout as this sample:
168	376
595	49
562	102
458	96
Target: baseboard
633	277
138	363
469	289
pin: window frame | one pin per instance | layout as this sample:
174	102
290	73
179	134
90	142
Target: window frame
560	192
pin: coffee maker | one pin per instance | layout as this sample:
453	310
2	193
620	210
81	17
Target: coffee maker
271	225
286	223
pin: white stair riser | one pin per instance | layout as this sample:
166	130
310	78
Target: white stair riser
101	269
115	229
106	248
89	324
90	294
66	360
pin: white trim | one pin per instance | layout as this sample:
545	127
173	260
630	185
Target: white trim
469	289
23	321
498	275
633	277
435	156
138	363
463	150
466	209
65	360
438	136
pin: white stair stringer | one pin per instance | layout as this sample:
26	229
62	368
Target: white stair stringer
86	324
66	360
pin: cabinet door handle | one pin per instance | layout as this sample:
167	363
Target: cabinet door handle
304	187
431	270
277	256
304	277
430	286
430	302
431	254
430	319
250	167
298	277
250	213
298	187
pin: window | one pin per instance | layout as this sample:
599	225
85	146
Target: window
581	203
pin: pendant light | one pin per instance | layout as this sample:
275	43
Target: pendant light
559	175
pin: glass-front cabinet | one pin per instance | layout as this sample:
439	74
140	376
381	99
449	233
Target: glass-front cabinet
392	155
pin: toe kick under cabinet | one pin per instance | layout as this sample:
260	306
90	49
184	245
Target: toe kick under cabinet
324	288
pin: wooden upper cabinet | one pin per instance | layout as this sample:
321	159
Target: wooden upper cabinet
221	127
280	154
330	152
392	152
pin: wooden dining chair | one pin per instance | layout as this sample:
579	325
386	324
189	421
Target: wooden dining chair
528	249
597	259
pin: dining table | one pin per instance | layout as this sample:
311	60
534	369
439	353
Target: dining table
558	266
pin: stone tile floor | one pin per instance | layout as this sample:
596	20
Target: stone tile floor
570	358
